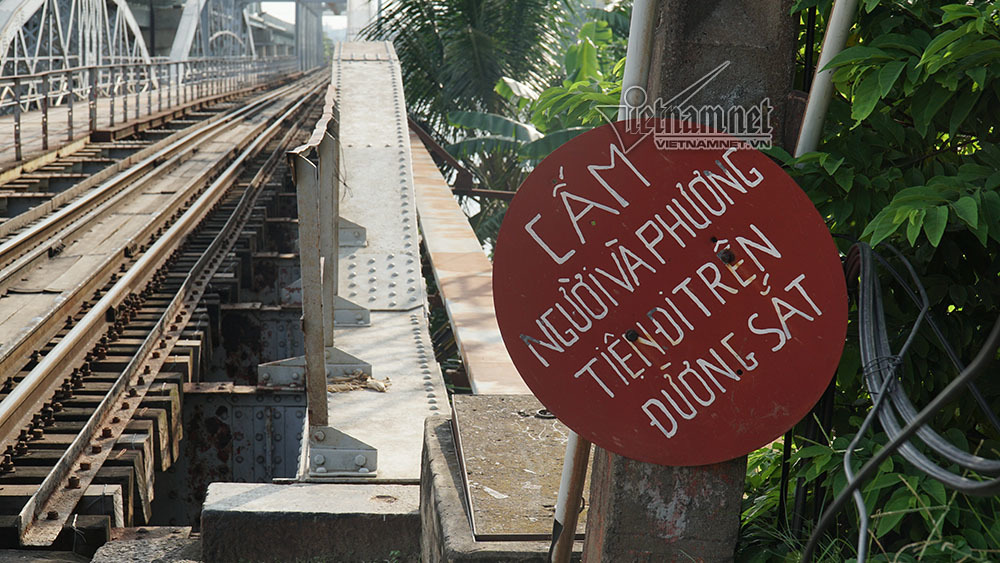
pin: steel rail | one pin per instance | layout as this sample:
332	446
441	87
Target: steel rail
36	242
54	496
16	408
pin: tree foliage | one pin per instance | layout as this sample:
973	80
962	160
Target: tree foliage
453	52
909	158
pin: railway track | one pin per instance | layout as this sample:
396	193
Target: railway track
98	289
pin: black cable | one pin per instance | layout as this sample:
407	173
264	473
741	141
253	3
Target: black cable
875	343
982	359
948	348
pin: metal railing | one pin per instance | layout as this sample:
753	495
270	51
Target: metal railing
163	84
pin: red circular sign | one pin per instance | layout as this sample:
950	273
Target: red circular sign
681	306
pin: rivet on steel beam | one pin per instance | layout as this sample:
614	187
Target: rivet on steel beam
125	406
84	466
106	432
52	515
95	449
74	483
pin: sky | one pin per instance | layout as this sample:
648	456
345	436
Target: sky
286	11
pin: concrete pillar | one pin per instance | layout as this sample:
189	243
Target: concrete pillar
645	512
756	36
640	511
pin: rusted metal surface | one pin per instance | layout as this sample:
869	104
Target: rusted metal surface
464	276
235	433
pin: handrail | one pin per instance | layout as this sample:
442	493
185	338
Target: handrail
177	81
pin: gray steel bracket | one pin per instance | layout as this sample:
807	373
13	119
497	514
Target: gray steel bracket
349	313
290	372
345	311
351	233
333	453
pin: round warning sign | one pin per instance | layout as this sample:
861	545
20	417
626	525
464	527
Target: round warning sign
681	305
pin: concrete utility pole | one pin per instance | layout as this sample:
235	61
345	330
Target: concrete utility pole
641	511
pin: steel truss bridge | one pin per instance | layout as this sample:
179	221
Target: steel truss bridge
57	54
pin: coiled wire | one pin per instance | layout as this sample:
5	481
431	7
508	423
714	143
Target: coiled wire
890	402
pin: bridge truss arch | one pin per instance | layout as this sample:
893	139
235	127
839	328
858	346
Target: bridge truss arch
44	35
213	28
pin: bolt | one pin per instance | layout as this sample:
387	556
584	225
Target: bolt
146	370
142	380
360	460
726	256
74	483
115	420
106	432
95	449
125	406
132	392
52	515
318	459
84	466
631	335
319	436
156	354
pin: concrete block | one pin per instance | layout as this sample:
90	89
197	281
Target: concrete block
446	535
310	522
161	550
646	512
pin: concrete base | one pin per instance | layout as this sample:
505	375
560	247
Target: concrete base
161	550
310	522
645	512
446	534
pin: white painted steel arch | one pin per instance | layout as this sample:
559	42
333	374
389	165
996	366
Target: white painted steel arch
42	35
212	28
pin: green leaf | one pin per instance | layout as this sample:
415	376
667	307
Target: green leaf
810	452
961	108
893	512
857	53
954	12
539	149
978	75
482	145
510	88
597	31
844	176
581	61
967	211
496	124
934	224
913	227
991	211
888	74
927	102
940	42
884	229
866	96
